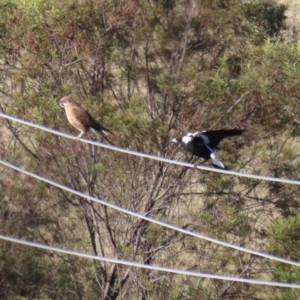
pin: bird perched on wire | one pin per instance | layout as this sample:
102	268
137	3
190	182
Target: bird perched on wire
81	119
204	143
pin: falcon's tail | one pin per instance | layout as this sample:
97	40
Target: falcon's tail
101	130
99	127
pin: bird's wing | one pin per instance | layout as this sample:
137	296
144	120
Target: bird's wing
82	116
201	138
216	136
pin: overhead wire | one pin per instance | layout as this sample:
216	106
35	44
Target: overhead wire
146	266
150	156
137	215
147	218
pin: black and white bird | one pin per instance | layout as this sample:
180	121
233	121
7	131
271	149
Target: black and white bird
204	143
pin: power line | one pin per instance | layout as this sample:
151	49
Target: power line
149	156
197	235
149	267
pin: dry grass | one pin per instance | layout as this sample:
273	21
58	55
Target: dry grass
293	13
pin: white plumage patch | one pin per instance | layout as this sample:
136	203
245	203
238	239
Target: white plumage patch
201	135
189	136
186	139
215	160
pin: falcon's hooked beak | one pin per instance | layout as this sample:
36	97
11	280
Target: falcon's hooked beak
62	104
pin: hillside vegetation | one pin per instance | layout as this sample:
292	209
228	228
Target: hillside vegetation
149	71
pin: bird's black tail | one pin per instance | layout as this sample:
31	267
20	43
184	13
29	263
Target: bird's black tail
101	130
99	127
106	138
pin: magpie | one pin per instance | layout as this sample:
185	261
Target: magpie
204	143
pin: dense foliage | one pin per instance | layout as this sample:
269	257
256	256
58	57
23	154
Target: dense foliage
148	70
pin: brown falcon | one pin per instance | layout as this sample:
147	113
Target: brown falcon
81	119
